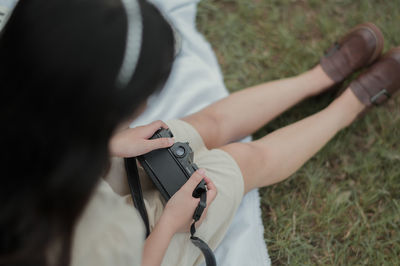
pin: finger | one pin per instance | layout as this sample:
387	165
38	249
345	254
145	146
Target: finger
154	144
210	184
211	190
154	126
163	125
158	124
194	180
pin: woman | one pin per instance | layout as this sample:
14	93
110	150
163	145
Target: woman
59	63
67	88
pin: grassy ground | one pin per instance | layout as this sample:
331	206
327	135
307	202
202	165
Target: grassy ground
343	206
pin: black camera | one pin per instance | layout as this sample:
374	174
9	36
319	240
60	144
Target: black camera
170	168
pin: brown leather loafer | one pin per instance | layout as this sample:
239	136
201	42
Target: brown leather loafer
360	47
381	81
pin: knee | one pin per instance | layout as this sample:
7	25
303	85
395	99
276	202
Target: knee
252	161
214	131
249	155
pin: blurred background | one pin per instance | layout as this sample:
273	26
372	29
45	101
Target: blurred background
343	206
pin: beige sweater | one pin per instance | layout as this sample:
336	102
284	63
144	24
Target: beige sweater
111	231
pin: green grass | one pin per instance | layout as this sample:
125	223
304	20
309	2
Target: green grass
343	206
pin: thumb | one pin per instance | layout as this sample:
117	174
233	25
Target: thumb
194	180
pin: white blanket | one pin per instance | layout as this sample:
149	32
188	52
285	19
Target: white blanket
195	82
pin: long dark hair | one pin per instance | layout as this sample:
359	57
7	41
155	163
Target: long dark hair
59	105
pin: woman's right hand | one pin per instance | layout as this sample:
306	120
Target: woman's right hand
132	142
178	212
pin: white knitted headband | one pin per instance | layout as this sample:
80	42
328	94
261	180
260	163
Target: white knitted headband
133	42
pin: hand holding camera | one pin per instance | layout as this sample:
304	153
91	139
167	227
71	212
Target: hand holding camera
179	209
186	189
172	170
132	142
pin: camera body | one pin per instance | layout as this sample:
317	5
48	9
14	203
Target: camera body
170	168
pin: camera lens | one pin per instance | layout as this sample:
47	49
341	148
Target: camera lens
180	151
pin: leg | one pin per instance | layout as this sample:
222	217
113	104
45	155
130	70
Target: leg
244	112
278	155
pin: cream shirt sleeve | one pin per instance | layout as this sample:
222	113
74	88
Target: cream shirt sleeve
109	232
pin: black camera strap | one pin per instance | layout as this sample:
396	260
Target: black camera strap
136	190
137	196
205	249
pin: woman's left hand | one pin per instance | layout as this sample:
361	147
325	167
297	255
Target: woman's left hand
133	142
178	212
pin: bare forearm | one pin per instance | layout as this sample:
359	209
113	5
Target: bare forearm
157	244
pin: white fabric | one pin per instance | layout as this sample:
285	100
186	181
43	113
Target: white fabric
195	82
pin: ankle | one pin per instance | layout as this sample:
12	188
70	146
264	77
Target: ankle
348	106
317	80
